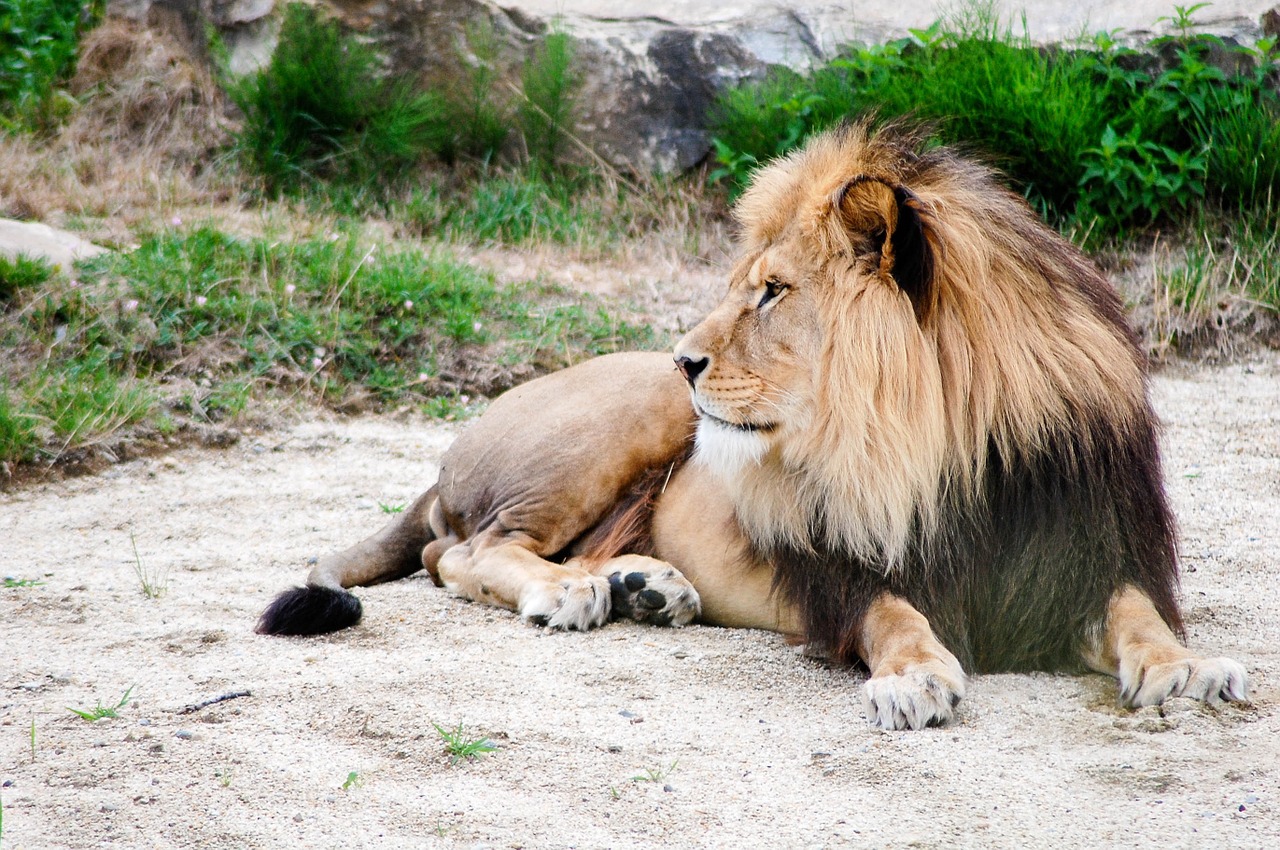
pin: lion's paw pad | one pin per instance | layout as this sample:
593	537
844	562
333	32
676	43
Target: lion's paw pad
660	597
1209	680
575	604
916	699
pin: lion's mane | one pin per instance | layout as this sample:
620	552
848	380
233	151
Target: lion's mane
984	447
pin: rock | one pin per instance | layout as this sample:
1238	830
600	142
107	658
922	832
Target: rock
60	248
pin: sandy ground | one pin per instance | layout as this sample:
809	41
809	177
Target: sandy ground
750	745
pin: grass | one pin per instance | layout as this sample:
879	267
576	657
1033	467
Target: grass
100	711
1099	138
11	581
22	273
459	745
1224	265
655	774
192	324
352	781
322	109
392	507
154	581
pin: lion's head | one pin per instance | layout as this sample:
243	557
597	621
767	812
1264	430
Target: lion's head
896	323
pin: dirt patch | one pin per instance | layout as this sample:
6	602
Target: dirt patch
735	739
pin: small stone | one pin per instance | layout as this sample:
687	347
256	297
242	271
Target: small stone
614	748
31	686
297	818
667	788
142	721
107	807
184	734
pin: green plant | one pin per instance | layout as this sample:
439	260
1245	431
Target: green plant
334	317
100	711
655	774
322	110
389	508
1099	138
154	582
22	273
478	118
18	434
460	745
33	736
1129	180
10	581
353	780
39	44
550	86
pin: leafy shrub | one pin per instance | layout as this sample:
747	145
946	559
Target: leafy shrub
1098	135
321	110
39	40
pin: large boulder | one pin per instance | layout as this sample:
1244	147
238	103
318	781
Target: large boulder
650	69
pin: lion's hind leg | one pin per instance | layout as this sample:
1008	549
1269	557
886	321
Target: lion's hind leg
506	570
915	681
1138	648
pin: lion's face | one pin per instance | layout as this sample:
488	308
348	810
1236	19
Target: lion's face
751	362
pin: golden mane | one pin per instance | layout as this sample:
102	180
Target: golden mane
1020	339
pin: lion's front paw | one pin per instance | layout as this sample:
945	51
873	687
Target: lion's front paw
922	695
1207	679
653	592
572	604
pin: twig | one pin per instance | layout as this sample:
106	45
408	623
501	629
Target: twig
196	706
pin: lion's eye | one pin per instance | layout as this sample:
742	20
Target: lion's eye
772	289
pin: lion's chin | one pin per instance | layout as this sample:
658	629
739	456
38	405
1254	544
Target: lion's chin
727	449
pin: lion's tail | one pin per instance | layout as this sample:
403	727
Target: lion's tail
324	604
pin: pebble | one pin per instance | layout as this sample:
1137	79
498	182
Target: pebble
184	734
297	818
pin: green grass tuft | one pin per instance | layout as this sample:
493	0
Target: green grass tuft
100	711
459	745
22	273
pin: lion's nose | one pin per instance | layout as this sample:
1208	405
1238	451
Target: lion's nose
691	368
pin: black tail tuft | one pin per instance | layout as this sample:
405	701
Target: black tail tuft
309	610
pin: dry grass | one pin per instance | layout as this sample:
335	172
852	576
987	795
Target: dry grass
138	149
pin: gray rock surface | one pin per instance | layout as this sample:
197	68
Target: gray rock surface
31	239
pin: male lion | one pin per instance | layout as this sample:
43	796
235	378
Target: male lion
923	441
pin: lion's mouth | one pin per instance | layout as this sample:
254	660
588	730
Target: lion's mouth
745	427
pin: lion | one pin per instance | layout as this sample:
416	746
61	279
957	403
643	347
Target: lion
915	434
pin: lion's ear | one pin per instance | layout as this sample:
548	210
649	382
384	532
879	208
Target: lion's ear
886	221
